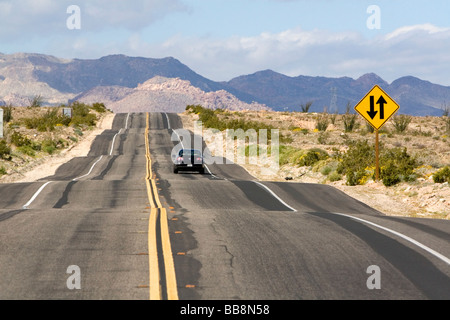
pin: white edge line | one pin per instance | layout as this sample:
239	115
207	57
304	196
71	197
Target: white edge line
417	243
35	195
92	168
179	138
212	174
115	136
113	141
126	122
46	184
168	122
273	194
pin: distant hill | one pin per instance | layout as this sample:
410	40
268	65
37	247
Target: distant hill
115	70
24	75
19	81
280	92
163	94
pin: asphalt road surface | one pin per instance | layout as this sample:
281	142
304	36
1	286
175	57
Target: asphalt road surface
229	236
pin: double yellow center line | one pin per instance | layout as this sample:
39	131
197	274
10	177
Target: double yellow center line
157	210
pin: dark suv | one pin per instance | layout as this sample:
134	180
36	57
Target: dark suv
189	160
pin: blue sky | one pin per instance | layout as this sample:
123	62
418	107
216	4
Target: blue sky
222	39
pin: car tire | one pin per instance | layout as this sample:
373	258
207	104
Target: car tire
202	171
175	170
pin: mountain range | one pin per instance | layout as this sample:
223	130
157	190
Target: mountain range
141	80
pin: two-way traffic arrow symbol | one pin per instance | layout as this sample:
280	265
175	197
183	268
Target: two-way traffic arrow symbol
381	102
372	113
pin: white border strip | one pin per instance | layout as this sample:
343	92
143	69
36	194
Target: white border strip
168	122
126	122
113	141
92	168
115	136
273	194
420	245
35	195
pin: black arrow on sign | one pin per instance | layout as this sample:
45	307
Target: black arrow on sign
372	113
381	102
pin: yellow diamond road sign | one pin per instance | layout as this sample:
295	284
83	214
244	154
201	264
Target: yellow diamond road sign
377	107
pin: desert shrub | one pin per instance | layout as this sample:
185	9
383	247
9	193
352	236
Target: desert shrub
357	164
5	150
447	123
28	150
326	170
36	101
334	176
354	162
78	132
306	106
323	138
7	114
194	108
396	166
326	167
209	119
322	122
356	177
99	107
48	121
3	171
401	122
50	145
88	120
349	122
288	154
311	157
442	175
19	140
349	119
80	109
370	128
81	115
24	144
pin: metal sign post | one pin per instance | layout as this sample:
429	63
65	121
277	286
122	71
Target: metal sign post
377	108
377	156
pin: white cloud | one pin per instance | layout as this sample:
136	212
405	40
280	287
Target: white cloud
24	19
414	30
110	27
132	15
420	51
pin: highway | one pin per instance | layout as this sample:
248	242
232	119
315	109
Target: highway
137	231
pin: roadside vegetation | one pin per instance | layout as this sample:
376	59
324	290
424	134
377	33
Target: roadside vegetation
341	147
221	120
34	132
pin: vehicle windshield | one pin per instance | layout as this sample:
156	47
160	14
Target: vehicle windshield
187	152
